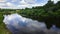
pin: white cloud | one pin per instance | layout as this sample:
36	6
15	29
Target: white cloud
2	4
23	2
2	0
24	6
13	0
10	4
31	1
37	5
55	1
20	4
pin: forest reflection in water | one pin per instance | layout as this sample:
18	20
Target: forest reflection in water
21	25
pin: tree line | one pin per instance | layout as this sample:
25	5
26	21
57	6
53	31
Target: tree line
49	13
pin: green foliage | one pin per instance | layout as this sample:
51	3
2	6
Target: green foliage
49	13
3	29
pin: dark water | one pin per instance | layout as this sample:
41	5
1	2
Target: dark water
21	25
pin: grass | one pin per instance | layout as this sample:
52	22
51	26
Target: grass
3	29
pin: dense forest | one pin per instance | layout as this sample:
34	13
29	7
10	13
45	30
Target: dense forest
49	13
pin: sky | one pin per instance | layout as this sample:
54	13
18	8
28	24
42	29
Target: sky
21	4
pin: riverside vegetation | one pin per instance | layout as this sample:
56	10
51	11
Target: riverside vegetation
49	13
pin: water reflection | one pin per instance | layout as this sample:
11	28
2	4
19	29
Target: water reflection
20	25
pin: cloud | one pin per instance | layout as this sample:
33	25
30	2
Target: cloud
2	0
19	22
10	4
13	0
31	1
2	4
19	4
55	1
23	2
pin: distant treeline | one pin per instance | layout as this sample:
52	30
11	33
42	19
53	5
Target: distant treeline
49	13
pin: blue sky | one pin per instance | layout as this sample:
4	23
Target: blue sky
21	4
